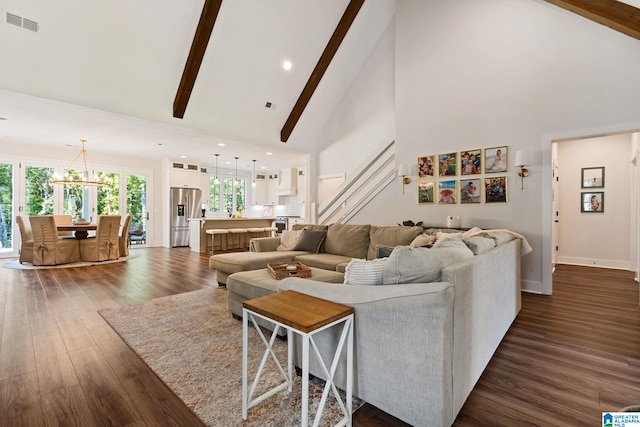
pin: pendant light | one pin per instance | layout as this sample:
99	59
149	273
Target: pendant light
83	166
253	184
216	180
236	182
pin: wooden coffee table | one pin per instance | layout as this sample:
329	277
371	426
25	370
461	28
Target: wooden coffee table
305	315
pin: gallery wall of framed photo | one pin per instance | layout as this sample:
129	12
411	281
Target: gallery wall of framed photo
463	177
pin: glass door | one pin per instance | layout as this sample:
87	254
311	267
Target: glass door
137	192
7	180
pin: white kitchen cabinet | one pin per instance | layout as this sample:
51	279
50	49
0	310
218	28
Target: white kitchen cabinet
272	185
189	179
302	185
260	192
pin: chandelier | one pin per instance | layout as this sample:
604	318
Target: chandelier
85	179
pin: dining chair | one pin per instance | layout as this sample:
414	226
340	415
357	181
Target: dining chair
105	245
26	238
63	220
48	249
123	241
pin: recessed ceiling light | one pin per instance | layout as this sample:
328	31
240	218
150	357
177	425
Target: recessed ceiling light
287	65
263	167
227	163
221	145
269	154
183	157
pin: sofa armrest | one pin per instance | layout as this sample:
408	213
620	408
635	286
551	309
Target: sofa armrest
264	244
402	348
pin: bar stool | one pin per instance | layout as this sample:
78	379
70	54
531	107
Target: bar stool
270	231
213	232
254	232
241	233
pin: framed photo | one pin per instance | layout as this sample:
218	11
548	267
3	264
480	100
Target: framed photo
592	202
495	189
425	193
496	159
447	191
448	164
427	166
471	162
593	177
470	190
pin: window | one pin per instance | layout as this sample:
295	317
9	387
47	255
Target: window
231	197
109	195
214	198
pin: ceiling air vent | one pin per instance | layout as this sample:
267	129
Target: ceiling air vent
21	22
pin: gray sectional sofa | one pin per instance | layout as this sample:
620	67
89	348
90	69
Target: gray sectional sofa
426	330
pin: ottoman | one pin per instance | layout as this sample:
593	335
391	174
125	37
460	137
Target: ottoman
246	285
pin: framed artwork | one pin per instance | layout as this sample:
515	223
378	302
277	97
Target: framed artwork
425	193
427	166
470	190
495	189
592	202
447	191
593	177
496	159
448	164
471	162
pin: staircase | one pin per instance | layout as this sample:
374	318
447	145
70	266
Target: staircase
378	171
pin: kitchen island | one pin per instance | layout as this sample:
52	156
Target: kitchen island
198	228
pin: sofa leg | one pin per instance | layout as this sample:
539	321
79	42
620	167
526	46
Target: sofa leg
235	316
222	285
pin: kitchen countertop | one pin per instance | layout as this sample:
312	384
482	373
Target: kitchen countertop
231	219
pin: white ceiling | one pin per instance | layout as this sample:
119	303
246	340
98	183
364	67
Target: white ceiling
108	72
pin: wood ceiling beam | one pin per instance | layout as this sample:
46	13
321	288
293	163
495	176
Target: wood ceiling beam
614	14
330	50
201	38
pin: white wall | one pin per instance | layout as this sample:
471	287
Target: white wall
472	74
595	239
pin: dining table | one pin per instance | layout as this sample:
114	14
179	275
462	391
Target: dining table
80	231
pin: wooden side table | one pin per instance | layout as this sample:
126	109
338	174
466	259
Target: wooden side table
304	315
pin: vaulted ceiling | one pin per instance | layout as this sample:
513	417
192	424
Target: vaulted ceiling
109	73
115	72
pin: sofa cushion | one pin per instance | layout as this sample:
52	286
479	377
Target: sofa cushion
289	239
365	272
324	261
313	227
348	240
242	261
310	241
394	235
421	265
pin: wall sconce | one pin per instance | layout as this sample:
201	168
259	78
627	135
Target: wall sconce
522	160
403	171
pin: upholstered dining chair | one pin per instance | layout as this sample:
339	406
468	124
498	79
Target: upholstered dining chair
48	249
64	219
123	241
104	246
26	238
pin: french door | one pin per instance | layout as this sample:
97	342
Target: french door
26	188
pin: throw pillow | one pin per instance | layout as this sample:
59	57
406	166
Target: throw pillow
479	244
442	237
310	241
288	240
423	240
364	272
383	251
421	265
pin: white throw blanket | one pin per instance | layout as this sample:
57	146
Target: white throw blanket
525	246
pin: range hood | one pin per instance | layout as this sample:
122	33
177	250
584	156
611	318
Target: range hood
288	182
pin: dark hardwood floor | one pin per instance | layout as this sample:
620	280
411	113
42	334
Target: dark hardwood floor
566	359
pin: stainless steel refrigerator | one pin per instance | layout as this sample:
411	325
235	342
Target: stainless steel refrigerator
185	203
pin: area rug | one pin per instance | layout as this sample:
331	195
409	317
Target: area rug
194	345
26	266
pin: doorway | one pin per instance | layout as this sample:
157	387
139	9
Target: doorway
554	170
